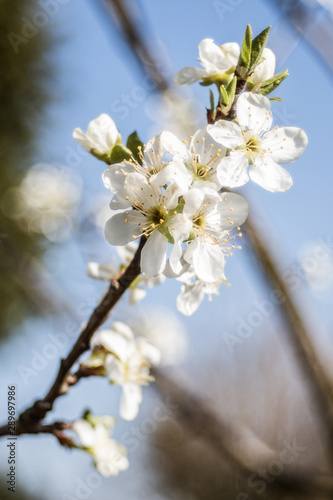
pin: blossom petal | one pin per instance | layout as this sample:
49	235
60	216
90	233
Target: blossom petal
173	145
208	261
285	144
217	59
188	75
265	70
270	175
254	112
193	201
149	352
232	171
103	133
115	175
234	207
130	401
228	134
153	256
82	139
104	272
190	297
123	227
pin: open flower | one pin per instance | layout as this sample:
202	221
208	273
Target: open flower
253	143
126	361
201	157
215	60
94	434
101	136
213	217
155	212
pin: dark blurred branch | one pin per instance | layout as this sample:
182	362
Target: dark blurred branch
319	380
309	22
29	421
236	444
121	16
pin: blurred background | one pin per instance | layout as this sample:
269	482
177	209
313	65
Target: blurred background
242	396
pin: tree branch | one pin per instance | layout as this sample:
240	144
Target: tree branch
29	421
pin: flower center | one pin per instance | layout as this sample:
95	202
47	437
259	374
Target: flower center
252	146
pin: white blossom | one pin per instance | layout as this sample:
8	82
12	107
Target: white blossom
215	60
127	361
251	142
101	136
94	435
214	218
201	157
154	215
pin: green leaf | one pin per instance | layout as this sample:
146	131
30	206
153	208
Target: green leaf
245	53
277	99
135	145
270	85
258	45
119	153
224	98
211	100
231	89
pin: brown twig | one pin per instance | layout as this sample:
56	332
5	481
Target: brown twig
29	421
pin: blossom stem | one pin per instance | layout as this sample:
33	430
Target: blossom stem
29	420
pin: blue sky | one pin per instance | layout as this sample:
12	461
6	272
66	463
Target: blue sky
95	69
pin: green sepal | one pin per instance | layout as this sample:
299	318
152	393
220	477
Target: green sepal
101	156
119	153
258	45
245	53
218	79
270	85
211	100
163	229
231	89
224	98
277	99
135	145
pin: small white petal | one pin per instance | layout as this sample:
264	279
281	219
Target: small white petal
228	134
270	175
119	232
254	112
285	144
234	207
190	298
153	256
104	272
265	70
232	171
188	75
130	401
208	261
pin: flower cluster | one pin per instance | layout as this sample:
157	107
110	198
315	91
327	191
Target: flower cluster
176	196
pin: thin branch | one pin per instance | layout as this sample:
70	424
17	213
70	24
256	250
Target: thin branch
29	421
319	380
